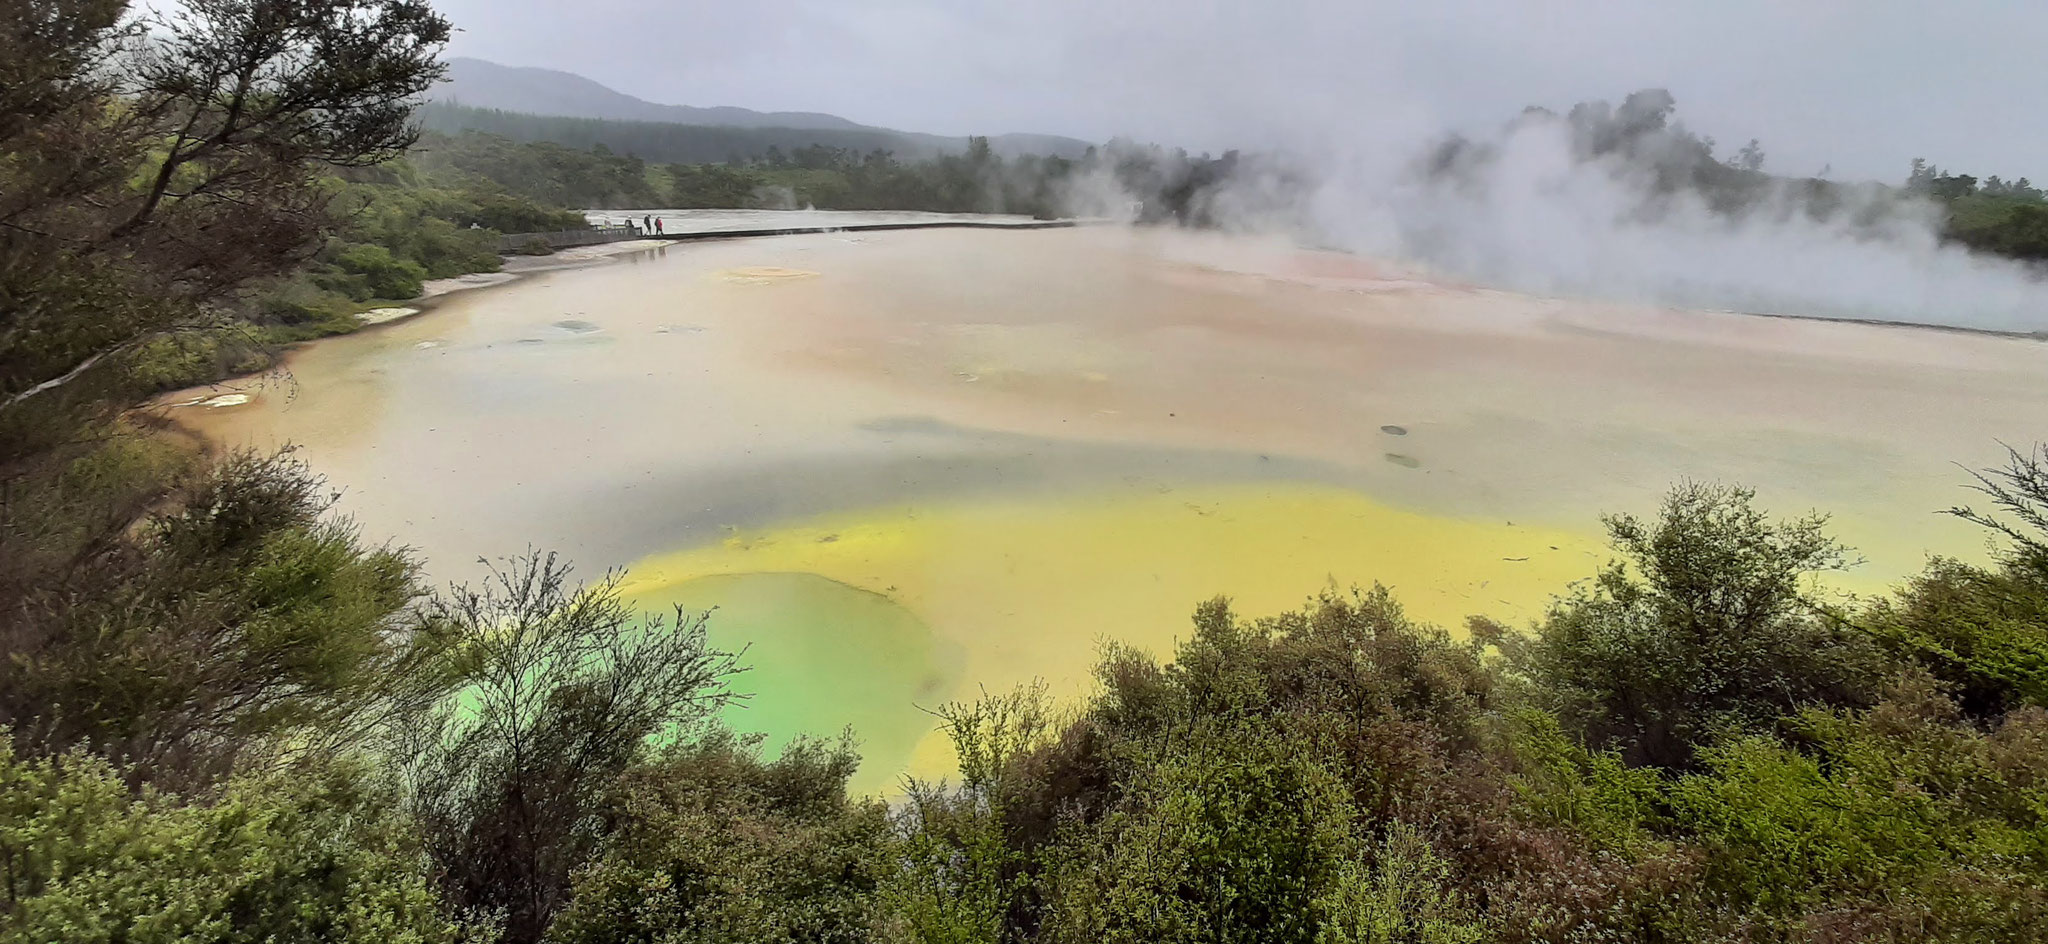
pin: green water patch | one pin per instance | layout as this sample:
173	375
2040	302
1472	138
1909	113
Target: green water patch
824	656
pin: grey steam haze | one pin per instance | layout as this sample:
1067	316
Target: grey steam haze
1356	90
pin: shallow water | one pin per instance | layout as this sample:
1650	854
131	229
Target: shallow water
909	465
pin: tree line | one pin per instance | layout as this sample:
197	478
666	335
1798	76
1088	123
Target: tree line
231	718
2005	217
663	142
1145	182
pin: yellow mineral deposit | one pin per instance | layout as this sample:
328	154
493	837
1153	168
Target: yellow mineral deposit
913	465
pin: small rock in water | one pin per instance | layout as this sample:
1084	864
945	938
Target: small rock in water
1406	462
1394	430
577	325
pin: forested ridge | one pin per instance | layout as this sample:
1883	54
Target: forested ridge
230	717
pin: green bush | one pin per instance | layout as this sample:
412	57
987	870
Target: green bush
564	691
1401	890
1707	621
708	842
1898	817
235	625
190	358
318	855
380	274
1985	631
1223	834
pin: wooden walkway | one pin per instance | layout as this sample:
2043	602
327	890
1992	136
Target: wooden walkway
860	228
513	242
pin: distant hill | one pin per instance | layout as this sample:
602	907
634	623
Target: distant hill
476	90
480	84
662	142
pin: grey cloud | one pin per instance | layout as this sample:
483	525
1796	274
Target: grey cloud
1862	85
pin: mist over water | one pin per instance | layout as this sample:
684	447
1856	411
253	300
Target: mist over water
1537	216
1354	98
1534	207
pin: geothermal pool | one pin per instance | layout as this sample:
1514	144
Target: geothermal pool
906	466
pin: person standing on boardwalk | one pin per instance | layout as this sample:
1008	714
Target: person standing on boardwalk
657	225
647	223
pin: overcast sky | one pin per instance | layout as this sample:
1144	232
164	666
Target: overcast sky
1862	85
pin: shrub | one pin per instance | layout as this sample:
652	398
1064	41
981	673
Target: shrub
1895	820
380	274
1985	632
707	842
235	622
1223	834
564	690
1703	623
318	855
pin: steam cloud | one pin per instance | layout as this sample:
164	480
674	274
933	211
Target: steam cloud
1613	202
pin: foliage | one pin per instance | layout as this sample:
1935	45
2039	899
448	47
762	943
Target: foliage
958	879
1704	624
1342	774
233	622
374	273
565	689
708	842
1985	631
1334	774
659	142
1593	794
1257	788
550	173
1401	892
1229	835
321	854
813	175
152	170
2009	218
1894	822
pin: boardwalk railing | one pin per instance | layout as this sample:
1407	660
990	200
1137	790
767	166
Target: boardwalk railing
565	238
870	228
513	242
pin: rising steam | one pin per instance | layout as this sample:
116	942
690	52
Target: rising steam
1612	202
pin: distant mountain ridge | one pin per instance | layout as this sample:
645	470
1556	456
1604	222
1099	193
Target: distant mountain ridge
481	84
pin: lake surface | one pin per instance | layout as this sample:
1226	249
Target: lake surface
906	466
